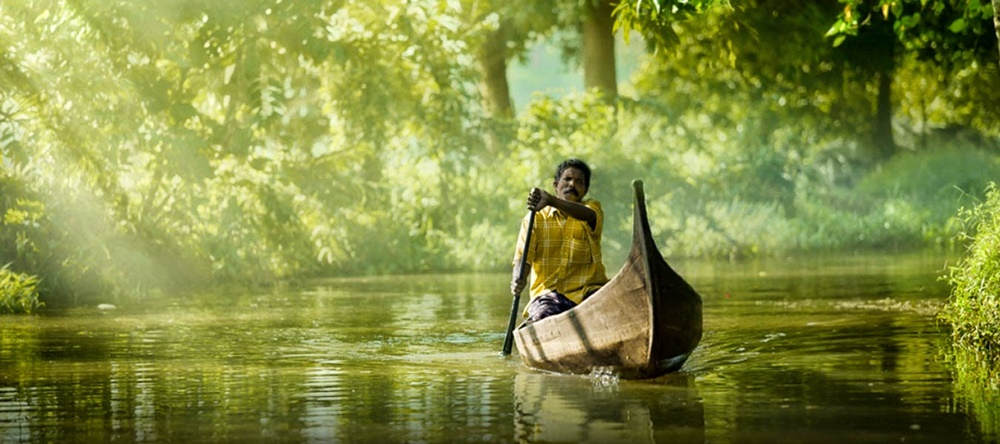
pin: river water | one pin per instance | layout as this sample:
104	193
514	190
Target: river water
833	349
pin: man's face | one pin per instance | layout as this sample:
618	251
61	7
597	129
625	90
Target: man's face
571	186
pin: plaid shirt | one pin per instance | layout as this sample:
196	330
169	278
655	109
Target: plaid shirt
565	254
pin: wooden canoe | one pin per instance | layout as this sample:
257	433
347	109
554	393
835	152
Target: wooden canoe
643	323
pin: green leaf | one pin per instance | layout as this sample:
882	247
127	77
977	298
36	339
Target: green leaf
910	21
897	8
837	28
958	26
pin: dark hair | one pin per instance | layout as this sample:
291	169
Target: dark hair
574	163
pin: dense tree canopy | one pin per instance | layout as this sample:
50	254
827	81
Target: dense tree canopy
151	144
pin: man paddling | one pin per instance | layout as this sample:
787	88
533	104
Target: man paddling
565	252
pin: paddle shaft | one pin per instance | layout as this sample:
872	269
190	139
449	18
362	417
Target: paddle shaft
522	268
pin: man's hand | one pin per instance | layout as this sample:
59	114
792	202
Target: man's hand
517	281
516	286
538	199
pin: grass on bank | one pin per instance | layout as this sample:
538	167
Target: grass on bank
974	307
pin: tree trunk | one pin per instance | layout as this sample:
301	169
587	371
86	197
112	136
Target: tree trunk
599	50
495	89
882	47
996	21
885	144
493	69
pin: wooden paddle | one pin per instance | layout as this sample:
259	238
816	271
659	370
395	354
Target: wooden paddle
509	339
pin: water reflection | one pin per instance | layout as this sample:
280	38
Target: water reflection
824	352
821	366
977	387
559	408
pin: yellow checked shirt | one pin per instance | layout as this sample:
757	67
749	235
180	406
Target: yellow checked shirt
565	254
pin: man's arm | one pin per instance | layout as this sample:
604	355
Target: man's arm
575	210
518	282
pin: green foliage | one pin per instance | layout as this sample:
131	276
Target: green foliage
945	31
149	145
653	19
974	307
948	107
18	292
242	143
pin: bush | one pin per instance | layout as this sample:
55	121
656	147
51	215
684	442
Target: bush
974	308
919	192
18	292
